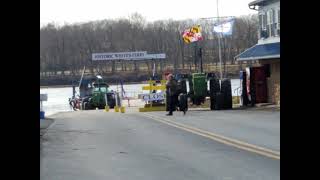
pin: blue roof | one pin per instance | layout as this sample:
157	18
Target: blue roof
260	51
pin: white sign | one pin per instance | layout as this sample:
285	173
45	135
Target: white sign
153	96
156	56
138	55
117	56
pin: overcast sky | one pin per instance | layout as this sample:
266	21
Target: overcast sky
71	11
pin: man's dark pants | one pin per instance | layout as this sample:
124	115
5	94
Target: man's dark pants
172	103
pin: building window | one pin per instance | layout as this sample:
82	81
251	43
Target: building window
274	23
278	24
263	25
270	25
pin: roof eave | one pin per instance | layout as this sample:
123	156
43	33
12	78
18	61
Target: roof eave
258	58
245	51
255	4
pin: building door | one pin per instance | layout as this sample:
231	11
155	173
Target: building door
260	84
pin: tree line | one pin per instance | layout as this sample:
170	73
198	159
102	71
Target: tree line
69	48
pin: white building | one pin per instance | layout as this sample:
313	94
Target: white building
267	49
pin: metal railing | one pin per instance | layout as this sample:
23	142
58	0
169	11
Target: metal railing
132	94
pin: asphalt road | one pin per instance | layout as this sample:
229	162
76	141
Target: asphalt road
98	145
261	128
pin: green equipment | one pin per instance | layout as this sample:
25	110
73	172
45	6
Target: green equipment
94	93
198	86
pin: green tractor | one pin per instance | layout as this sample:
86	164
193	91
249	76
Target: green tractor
94	93
198	86
98	97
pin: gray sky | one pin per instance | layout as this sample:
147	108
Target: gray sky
71	11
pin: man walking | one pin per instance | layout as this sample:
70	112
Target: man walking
172	95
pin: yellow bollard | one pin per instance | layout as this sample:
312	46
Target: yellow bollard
106	108
116	109
122	109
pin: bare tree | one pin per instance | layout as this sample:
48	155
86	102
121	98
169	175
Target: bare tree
69	48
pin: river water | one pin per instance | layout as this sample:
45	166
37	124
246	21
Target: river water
58	98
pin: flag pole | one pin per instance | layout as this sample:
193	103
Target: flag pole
195	45
219	44
154	69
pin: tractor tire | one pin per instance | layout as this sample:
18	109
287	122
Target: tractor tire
111	106
197	101
184	87
85	106
111	103
212	101
218	105
183	102
82	106
227	91
214	86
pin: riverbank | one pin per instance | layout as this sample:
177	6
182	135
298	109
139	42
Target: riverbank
65	86
112	79
58	96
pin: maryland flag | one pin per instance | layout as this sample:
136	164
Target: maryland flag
192	35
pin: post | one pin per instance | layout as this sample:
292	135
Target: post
200	55
43	97
195	45
73	91
121	88
220	64
84	69
154	69
41	111
122	109
120	101
150	83
106	108
116	108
